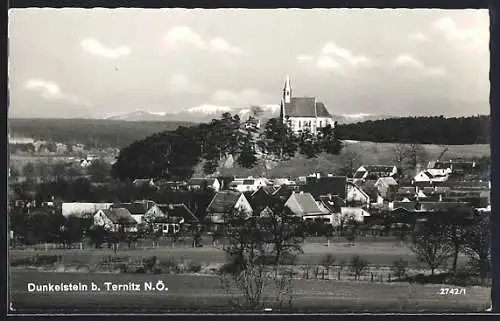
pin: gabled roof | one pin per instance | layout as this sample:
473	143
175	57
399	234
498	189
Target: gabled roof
201	181
306	203
142	181
442	206
119	215
371	191
410	206
178	211
378	168
259	200
389	181
136	208
283	192
305	107
334	185
224	202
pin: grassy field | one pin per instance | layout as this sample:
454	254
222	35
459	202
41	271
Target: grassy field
369	152
378	254
192	293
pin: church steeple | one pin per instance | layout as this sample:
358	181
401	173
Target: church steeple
287	91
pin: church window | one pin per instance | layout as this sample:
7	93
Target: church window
320	123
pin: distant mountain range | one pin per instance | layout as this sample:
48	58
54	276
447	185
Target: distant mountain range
206	113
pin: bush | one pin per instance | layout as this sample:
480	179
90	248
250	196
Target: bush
170	265
358	265
328	260
150	263
194	267
400	268
45	260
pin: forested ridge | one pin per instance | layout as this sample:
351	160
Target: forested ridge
94	133
421	130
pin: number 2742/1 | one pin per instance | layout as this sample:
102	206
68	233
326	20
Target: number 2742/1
452	291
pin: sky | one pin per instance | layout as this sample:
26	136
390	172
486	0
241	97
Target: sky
72	63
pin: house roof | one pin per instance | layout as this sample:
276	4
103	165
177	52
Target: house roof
331	204
441	206
283	192
119	215
179	211
335	185
410	206
388	181
378	168
136	208
407	190
223	202
371	191
141	181
201	181
305	107
306	203
259	199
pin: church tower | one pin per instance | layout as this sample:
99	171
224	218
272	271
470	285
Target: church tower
287	91
286	98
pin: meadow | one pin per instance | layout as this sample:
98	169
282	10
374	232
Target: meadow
197	293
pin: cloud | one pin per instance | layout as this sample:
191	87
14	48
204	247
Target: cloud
180	83
409	62
418	36
96	48
51	90
244	97
328	63
333	49
181	35
304	58
468	39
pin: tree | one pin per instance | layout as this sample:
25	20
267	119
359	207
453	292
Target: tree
416	155
44	170
358	265
431	245
328	141
99	170
327	261
29	171
247	158
308	144
259	250
477	244
350	161
59	170
278	140
400	156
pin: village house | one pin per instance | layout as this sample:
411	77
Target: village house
114	219
432	176
357	214
81	209
305	206
180	212
283	193
195	184
356	196
141	182
226	204
141	211
249	184
387	187
324	186
303	113
374	172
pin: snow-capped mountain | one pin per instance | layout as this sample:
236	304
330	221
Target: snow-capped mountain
205	113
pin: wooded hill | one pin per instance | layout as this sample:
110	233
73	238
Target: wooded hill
421	130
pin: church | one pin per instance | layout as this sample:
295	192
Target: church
301	113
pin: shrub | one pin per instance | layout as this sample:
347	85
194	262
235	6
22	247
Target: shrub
194	267
328	260
149	263
46	260
400	268
358	265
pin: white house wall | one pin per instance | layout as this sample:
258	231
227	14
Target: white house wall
315	123
69	209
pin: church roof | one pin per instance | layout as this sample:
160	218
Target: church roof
305	107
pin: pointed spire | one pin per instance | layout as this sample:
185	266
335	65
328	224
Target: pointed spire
287	90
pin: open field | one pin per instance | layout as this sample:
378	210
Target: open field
378	254
191	293
369	152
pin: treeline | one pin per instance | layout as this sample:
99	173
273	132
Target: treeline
93	133
174	154
421	130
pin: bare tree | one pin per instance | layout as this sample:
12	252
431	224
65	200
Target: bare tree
477	244
350	161
400	155
261	252
358	265
431	245
416	154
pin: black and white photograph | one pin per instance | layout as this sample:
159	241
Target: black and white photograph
270	161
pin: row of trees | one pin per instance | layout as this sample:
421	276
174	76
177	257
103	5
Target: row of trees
421	130
174	154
